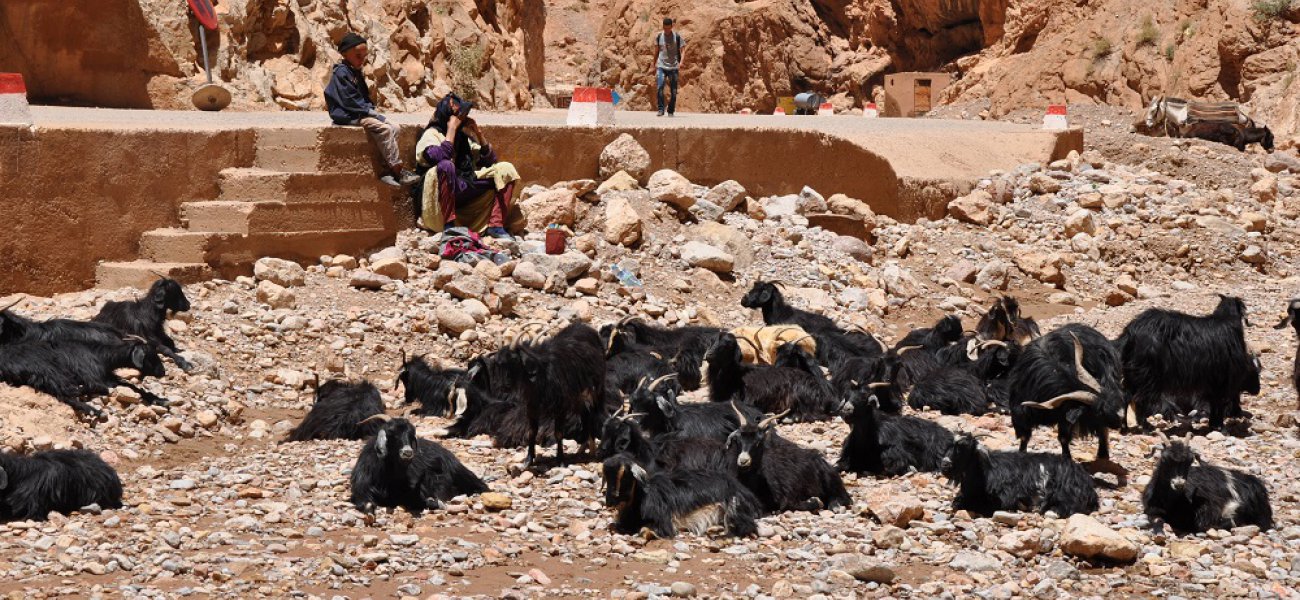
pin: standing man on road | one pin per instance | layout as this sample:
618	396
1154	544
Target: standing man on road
348	99
668	59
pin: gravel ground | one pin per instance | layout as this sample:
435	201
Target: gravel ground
216	507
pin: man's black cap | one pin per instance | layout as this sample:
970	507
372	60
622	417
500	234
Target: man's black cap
350	41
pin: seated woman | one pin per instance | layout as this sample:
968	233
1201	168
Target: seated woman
464	184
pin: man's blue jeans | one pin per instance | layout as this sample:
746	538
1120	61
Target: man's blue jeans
671	76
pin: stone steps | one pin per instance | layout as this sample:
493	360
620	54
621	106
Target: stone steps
310	192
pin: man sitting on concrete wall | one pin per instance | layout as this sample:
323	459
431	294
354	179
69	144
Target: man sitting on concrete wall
348	98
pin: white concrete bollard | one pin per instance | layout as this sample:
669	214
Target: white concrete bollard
1056	119
780	112
13	100
591	106
870	111
825	109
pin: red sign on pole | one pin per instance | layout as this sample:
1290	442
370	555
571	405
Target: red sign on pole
205	13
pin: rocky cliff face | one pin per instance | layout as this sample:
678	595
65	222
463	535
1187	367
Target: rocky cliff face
145	53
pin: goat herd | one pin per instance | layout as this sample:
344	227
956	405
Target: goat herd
673	466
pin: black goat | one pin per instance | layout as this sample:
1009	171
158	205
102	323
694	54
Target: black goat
342	411
1069	378
1039	482
622	434
683	347
947	331
439	392
146	317
72	372
563	376
1195	499
396	468
768	388
784	475
666	502
1169	356
889	445
766	297
63	481
909	365
951	391
627	365
660	413
1292	310
873	374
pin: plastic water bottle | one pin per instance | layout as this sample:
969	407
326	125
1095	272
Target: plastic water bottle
625	276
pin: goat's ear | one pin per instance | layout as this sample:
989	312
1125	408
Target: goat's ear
639	473
381	443
4	479
624	440
159	297
138	356
666	406
765	296
462	402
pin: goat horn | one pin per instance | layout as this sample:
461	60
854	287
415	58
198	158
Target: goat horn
626	320
641	384
1085	377
1079	396
906	349
772	419
135	338
20	299
375	417
973	349
655	383
807	336
988	343
758	353
875	385
740	416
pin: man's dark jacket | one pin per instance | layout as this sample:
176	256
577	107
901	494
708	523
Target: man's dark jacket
347	96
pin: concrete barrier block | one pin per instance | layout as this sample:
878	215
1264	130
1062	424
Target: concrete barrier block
13	100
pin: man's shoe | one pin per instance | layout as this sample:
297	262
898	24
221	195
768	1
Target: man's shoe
670	114
498	233
389	180
409	178
661	113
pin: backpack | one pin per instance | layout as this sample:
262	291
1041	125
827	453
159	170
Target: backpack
677	37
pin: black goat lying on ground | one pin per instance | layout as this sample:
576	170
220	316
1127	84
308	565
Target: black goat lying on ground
72	372
439	392
660	413
1195	499
396	468
889	445
342	411
993	481
951	391
683	348
783	475
1170	356
666	502
622	434
768	388
146	317
63	481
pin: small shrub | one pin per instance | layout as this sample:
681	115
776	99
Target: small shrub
1148	35
1101	48
465	64
1270	9
1169	52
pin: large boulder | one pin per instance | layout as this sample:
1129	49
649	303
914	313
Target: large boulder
975	208
728	195
734	241
275	295
556	206
670	187
569	265
281	272
699	254
622	223
1088	538
624	154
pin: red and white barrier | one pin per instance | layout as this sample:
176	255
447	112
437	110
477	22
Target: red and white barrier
826	109
13	100
1056	119
780	112
870	111
591	106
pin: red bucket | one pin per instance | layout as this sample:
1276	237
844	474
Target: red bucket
555	241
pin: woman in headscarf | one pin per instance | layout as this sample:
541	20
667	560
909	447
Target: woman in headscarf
465	185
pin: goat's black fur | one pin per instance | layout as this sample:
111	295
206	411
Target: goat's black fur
992	481
146	317
766	297
72	371
947	331
873	373
563	376
1047	389
1195	499
683	347
340	413
768	388
889	445
661	414
951	391
669	501
622	434
434	389
784	475
1292	318
1170	356
396	468
629	366
63	481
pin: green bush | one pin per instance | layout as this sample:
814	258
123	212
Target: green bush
465	66
1169	53
1101	48
1148	35
1270	9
